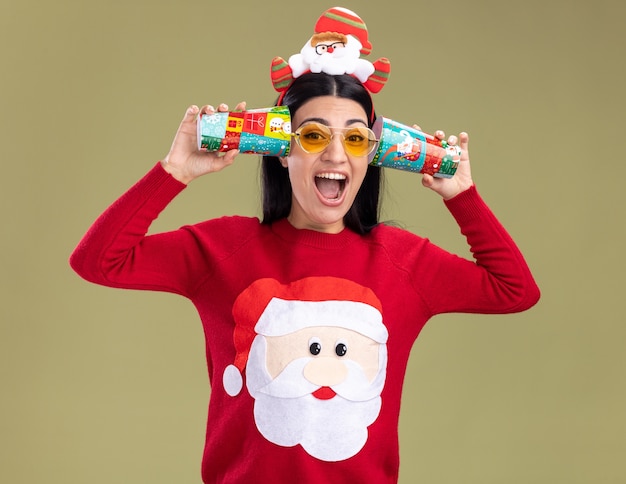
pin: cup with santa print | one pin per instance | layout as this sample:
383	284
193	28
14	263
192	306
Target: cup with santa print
406	148
263	131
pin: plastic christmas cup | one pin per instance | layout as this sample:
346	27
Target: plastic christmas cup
406	148
264	131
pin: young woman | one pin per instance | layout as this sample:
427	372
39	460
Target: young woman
310	314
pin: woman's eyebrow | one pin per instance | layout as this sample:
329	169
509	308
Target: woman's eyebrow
325	121
314	120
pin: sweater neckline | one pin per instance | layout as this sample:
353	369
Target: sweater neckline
313	238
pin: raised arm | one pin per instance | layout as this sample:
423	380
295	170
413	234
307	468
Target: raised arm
116	251
498	280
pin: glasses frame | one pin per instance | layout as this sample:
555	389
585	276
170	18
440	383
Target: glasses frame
373	141
323	48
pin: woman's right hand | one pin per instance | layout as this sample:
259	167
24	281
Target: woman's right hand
185	161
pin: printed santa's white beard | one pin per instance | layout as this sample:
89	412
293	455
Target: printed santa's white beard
286	413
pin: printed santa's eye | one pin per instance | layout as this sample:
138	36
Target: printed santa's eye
341	348
315	346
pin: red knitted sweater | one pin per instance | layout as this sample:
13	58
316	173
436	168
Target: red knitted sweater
220	264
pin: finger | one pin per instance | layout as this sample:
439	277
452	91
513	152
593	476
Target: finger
440	134
207	109
417	127
224	159
190	113
222	108
230	156
427	180
452	140
464	141
241	106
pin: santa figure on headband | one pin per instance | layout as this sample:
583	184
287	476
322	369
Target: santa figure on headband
314	356
335	48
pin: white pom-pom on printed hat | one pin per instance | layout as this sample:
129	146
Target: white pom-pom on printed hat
269	308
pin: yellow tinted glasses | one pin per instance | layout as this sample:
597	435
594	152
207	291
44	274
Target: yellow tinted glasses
315	138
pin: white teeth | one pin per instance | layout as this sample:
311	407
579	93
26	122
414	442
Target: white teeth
332	176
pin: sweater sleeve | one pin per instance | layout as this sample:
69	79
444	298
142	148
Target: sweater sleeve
498	280
116	251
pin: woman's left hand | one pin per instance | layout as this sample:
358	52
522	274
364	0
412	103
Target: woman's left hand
462	180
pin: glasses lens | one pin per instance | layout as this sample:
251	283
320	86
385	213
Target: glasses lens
314	137
359	141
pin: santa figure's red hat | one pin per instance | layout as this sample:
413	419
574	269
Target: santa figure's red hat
269	308
342	20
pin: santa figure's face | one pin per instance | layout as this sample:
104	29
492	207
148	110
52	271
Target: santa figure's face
318	387
331	52
331	44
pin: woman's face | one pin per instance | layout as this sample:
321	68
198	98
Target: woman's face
325	184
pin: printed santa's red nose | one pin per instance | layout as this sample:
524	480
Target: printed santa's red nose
324	393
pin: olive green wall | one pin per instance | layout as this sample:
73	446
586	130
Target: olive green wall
106	386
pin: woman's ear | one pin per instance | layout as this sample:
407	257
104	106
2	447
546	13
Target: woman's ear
283	161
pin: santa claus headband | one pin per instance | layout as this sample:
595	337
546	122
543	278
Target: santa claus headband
339	42
270	308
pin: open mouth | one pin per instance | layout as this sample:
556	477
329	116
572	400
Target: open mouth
330	185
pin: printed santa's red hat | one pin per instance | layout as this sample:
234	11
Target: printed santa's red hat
269	308
344	21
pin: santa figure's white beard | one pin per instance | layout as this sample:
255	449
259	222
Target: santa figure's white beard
286	413
334	63
346	60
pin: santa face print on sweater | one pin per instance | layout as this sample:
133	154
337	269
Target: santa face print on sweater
315	367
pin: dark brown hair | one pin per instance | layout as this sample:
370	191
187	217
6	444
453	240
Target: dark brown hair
275	184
